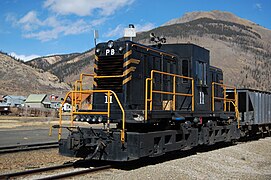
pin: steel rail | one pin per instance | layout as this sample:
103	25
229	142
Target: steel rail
22	173
28	147
75	173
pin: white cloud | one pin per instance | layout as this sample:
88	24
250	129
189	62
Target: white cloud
51	21
45	35
86	7
10	17
48	29
30	21
77	27
99	21
60	28
258	6
144	27
56	24
118	31
24	57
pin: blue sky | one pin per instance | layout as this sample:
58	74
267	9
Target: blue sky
31	28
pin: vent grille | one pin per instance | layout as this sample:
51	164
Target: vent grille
110	66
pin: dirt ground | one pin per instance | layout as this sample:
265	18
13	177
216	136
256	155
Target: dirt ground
248	160
9	122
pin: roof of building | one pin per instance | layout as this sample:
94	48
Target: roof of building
35	98
56	98
15	97
4	105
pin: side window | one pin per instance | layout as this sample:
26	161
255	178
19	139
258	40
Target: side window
185	70
201	72
213	76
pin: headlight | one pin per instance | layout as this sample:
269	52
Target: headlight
98	51
121	49
100	119
110	44
94	119
88	119
138	117
77	118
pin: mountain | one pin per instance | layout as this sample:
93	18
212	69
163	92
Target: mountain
47	62
66	67
18	78
216	15
241	48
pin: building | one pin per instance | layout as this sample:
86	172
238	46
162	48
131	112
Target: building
56	100
14	101
37	101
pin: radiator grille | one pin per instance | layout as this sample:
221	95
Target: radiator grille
110	66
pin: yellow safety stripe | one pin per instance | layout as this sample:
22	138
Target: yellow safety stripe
127	80
135	61
127	71
94	83
96	58
95	66
127	54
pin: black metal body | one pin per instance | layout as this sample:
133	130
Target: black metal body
83	143
165	129
136	62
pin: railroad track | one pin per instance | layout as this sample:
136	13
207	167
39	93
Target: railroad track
55	175
28	147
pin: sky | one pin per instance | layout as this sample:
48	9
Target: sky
33	28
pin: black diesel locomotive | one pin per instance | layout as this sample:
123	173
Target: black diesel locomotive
151	100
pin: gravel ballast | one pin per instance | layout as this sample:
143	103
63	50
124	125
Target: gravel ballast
250	160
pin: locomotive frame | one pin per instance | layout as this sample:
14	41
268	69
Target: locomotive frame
161	100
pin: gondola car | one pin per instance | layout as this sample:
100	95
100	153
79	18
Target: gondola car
151	100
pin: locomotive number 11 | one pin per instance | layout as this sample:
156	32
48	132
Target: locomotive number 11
106	99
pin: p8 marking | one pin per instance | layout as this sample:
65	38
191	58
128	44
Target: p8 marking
109	52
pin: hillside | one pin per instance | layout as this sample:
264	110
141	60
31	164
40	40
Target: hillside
238	46
66	67
20	79
47	62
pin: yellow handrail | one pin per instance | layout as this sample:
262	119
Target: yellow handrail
148	48
75	112
60	115
149	101
237	116
146	97
234	101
